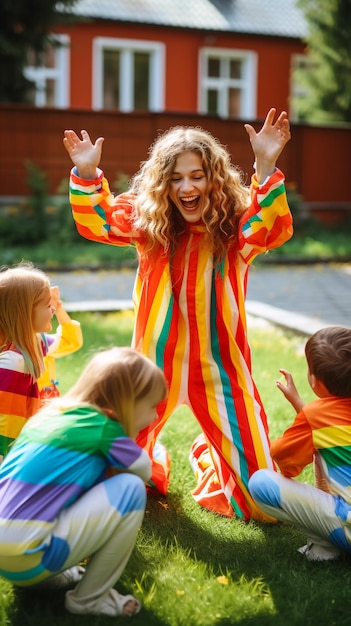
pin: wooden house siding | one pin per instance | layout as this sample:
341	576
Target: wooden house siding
274	58
315	161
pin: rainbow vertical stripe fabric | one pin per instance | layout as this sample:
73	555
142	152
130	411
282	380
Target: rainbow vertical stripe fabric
190	320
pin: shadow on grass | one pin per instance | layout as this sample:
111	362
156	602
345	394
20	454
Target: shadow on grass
34	608
304	593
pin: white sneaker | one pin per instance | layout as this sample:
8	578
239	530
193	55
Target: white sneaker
316	552
111	604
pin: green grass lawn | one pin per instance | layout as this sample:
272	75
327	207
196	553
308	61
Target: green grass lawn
195	568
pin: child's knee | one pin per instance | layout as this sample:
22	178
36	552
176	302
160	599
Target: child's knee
126	492
264	488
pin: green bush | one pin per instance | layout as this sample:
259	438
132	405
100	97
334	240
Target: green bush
41	229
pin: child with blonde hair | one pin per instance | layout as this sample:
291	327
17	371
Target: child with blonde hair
25	314
196	228
73	484
27	348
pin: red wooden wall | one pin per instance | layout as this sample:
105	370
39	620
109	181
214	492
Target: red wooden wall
316	160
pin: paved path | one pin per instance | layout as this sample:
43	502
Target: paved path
303	298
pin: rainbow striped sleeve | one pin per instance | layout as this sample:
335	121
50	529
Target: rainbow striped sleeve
267	224
100	216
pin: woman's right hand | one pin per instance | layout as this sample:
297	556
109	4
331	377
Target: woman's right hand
84	154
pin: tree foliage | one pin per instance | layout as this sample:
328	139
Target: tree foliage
326	81
25	25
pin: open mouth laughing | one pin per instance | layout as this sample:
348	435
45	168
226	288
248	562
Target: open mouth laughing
190	203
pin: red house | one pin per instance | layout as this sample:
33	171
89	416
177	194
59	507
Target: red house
231	58
127	69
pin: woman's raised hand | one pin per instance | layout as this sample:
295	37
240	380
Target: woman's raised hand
84	154
269	142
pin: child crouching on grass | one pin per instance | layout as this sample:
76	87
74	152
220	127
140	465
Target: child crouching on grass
320	433
72	485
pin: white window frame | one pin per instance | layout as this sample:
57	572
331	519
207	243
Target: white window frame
60	74
247	83
127	47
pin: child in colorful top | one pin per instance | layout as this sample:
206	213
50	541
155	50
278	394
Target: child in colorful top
321	432
196	229
73	484
67	339
28	352
25	315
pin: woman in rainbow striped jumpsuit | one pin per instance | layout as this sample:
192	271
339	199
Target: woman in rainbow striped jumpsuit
196	229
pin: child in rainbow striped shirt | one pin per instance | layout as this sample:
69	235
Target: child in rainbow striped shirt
320	433
27	347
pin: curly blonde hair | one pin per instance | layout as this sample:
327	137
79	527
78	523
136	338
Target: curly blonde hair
227	196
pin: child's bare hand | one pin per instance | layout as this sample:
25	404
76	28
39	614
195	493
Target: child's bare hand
55	296
60	312
84	154
289	390
289	386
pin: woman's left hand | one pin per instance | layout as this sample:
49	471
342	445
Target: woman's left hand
269	142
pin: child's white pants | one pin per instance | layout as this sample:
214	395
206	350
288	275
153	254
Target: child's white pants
324	518
102	524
